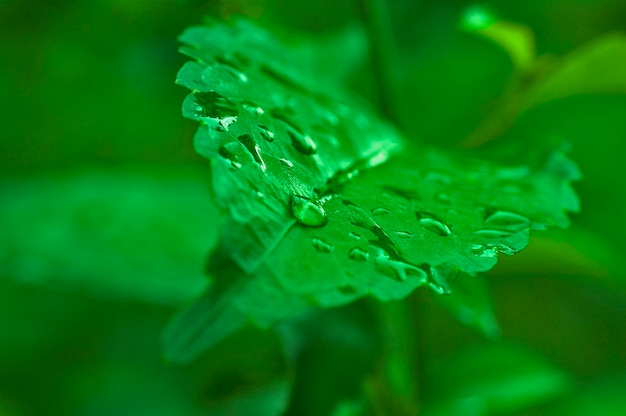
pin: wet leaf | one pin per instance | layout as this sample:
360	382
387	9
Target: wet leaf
323	208
277	139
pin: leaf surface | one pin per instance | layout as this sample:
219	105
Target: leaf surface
322	208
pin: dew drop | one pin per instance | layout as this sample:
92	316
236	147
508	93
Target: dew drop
252	108
488	233
439	177
303	143
507	220
483	250
433	225
491	250
377	212
354	235
443	198
404	234
288	163
227	121
358	254
266	133
307	212
322	246
398	269
229	156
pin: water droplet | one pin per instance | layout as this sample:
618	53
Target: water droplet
515	186
227	121
404	234
307	212
266	133
253	149
302	143
252	108
491	250
443	198
229	156
377	212
397	269
322	246
509	220
439	177
483	250
288	163
433	225
488	233
358	254
354	235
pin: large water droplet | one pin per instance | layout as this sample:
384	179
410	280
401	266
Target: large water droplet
322	246
508	220
397	269
303	143
358	254
433	225
307	212
377	212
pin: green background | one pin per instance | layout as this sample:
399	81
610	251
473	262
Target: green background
106	218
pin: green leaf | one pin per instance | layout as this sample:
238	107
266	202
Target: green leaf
109	233
318	211
596	68
604	396
517	40
274	135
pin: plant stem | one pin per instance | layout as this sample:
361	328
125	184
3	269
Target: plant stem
398	389
375	14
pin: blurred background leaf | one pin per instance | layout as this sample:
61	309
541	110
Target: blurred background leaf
93	148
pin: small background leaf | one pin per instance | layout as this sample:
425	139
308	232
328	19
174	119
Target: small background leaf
110	233
494	379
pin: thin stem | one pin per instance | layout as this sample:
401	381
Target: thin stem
375	14
397	388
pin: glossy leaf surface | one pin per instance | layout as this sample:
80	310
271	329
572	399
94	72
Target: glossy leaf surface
319	209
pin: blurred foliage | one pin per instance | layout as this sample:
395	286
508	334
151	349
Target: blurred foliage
101	191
